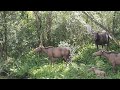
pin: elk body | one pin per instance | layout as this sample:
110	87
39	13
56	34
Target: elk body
101	38
112	57
55	52
98	72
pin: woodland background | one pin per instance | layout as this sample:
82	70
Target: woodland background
22	31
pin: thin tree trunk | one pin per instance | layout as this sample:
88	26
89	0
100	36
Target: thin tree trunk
49	24
1	44
91	18
1	49
5	34
114	25
38	26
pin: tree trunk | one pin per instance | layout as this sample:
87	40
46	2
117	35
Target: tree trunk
103	27
38	26
1	49
1	44
5	34
49	24
91	18
114	24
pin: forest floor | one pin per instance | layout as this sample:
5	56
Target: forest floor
34	66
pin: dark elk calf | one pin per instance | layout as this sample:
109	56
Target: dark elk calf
55	52
101	38
112	57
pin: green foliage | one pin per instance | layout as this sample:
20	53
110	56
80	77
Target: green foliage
85	54
65	29
34	66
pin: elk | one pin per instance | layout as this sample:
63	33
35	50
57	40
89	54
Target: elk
112	57
55	52
98	72
101	38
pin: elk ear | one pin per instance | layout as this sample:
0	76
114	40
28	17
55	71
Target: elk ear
102	50
41	45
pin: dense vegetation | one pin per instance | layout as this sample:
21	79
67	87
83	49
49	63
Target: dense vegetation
22	31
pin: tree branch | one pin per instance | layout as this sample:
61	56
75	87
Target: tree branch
103	27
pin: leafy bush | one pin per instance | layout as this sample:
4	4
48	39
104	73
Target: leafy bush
34	66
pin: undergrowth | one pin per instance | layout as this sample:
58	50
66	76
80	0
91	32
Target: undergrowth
35	66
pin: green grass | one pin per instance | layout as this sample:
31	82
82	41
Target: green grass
33	66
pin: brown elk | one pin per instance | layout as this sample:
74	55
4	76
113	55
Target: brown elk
113	57
98	72
101	38
55	52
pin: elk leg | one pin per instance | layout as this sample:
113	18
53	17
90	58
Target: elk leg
113	66
65	59
52	61
102	46
69	59
107	46
49	59
97	47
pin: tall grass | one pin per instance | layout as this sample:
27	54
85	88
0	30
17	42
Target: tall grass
36	66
